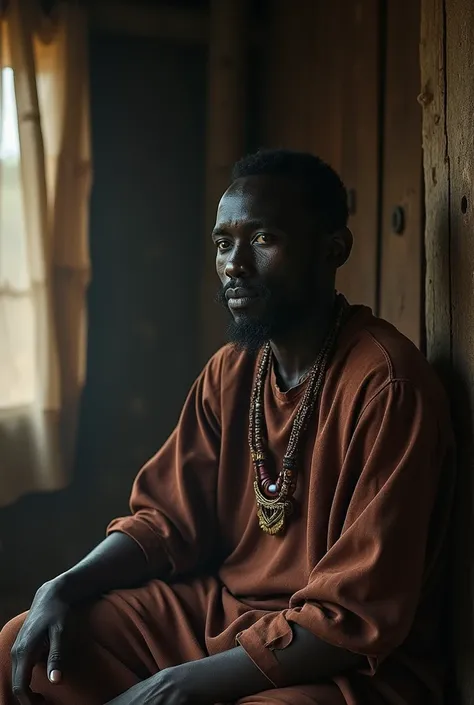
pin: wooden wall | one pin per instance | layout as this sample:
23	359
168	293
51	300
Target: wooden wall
447	51
401	256
344	85
337	81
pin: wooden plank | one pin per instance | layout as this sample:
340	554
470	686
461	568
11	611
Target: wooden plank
360	145
401	298
144	20
460	135
226	137
460	130
326	68
303	78
322	95
289	79
436	173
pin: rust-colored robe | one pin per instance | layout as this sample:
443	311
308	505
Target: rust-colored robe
361	564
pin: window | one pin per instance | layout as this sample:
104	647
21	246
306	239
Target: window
17	319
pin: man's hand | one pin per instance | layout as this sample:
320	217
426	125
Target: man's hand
41	635
116	563
165	688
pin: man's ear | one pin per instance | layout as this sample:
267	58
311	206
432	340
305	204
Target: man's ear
340	247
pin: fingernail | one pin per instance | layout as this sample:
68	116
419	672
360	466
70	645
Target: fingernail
55	676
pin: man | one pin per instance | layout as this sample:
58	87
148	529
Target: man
286	543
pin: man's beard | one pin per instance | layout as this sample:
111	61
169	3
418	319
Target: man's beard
251	333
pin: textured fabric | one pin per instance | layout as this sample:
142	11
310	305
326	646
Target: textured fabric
126	638
361	563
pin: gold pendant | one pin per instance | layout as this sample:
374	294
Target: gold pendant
272	513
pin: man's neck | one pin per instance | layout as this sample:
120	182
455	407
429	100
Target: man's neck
296	353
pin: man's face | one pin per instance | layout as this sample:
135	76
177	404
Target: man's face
272	263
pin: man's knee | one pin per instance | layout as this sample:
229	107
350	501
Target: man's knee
10	632
8	636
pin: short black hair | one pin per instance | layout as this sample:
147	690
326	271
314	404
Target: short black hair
325	192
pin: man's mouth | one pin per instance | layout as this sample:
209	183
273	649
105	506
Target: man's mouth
240	297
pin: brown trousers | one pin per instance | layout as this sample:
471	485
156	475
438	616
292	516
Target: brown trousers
127	637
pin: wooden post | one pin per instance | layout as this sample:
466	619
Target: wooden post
226	135
447	49
436	171
460	135
459	23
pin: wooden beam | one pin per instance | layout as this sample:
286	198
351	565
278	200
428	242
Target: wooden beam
460	135
459	52
447	48
141	20
436	171
226	139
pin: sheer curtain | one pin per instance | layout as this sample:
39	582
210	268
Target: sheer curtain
45	170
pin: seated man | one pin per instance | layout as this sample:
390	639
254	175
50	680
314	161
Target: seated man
286	544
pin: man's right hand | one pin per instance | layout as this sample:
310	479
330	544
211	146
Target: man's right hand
41	634
116	563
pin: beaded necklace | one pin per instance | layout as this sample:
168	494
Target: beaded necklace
275	497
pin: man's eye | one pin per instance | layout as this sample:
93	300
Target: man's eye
222	245
263	239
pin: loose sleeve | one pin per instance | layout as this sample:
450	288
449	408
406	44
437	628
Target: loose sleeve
363	594
173	498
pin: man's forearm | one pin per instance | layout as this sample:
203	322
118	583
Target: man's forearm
232	675
116	563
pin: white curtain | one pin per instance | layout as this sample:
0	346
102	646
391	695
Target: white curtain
45	174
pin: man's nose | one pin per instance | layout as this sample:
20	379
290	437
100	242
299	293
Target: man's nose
239	264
